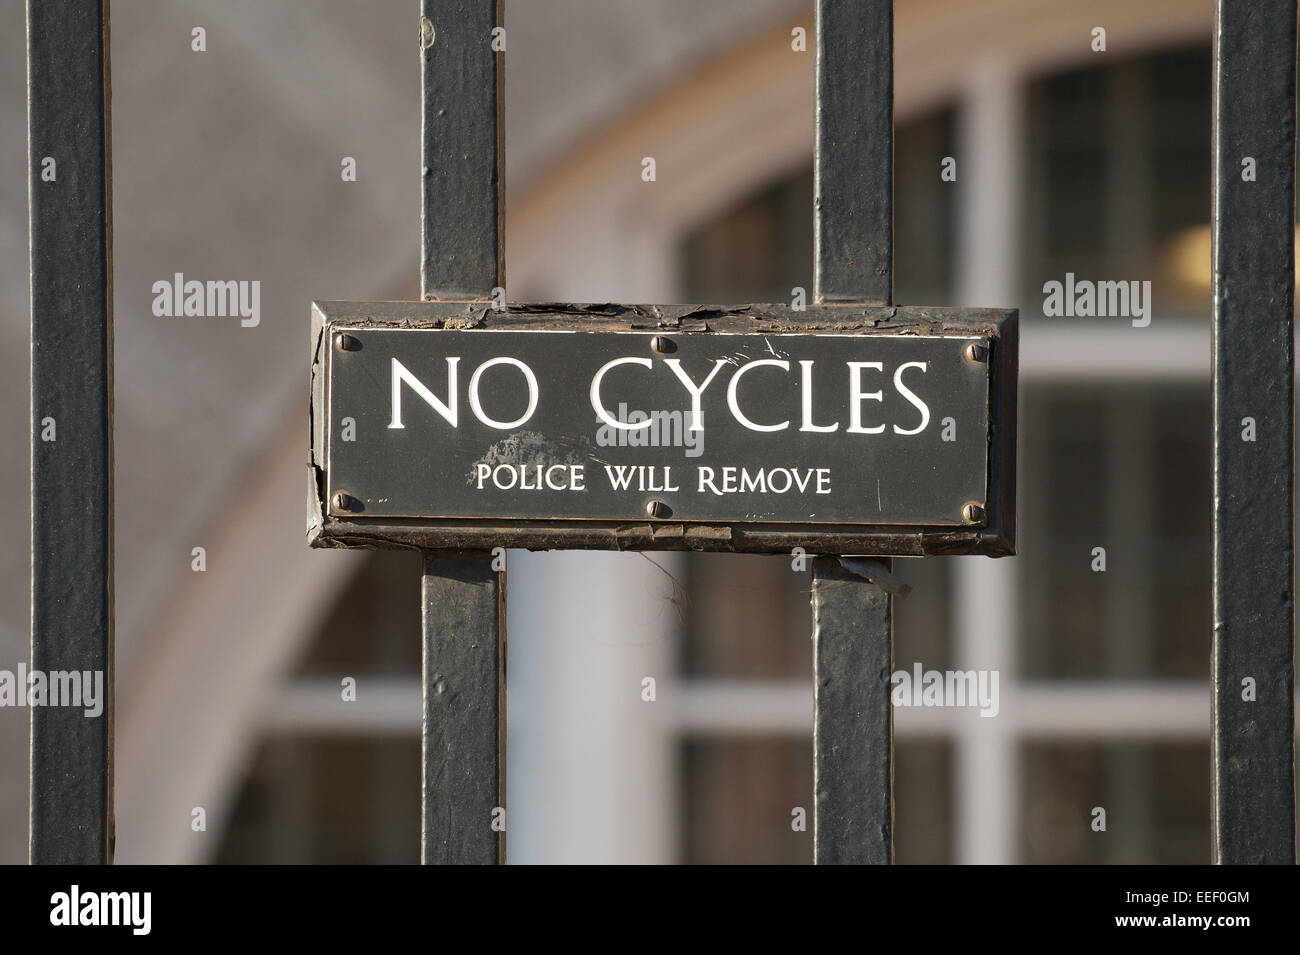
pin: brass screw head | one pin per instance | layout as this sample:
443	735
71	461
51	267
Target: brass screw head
972	514
662	345
343	501
346	342
976	351
658	509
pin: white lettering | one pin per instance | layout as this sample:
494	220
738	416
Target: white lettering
601	413
911	396
695	391
400	375
478	408
857	395
734	405
807	385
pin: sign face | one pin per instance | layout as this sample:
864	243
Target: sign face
634	426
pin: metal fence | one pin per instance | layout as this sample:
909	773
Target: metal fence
462	258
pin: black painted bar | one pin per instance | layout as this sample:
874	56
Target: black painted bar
1254	375
854	258
462	216
463	731
854	217
71	521
853	652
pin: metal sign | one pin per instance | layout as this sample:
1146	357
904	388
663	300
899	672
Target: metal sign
759	421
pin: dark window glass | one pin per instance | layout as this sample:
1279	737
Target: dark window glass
1123	469
1119	180
1156	800
327	801
739	796
761	249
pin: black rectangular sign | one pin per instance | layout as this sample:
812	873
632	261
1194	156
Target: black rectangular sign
816	429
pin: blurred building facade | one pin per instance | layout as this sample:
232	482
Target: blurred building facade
227	165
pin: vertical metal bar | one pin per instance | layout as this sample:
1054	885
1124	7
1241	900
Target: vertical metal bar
464	709
72	457
463	739
853	818
853	654
463	143
853	238
1254	376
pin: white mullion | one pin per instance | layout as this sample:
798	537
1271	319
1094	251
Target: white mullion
990	186
1040	709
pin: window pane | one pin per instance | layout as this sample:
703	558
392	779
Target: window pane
1119	173
755	252
751	617
738	798
327	801
923	807
739	793
1115	478
748	616
1156	799
924	234
762	248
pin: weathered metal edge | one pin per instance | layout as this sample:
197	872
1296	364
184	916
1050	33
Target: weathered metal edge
996	538
316	428
1004	383
833	318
